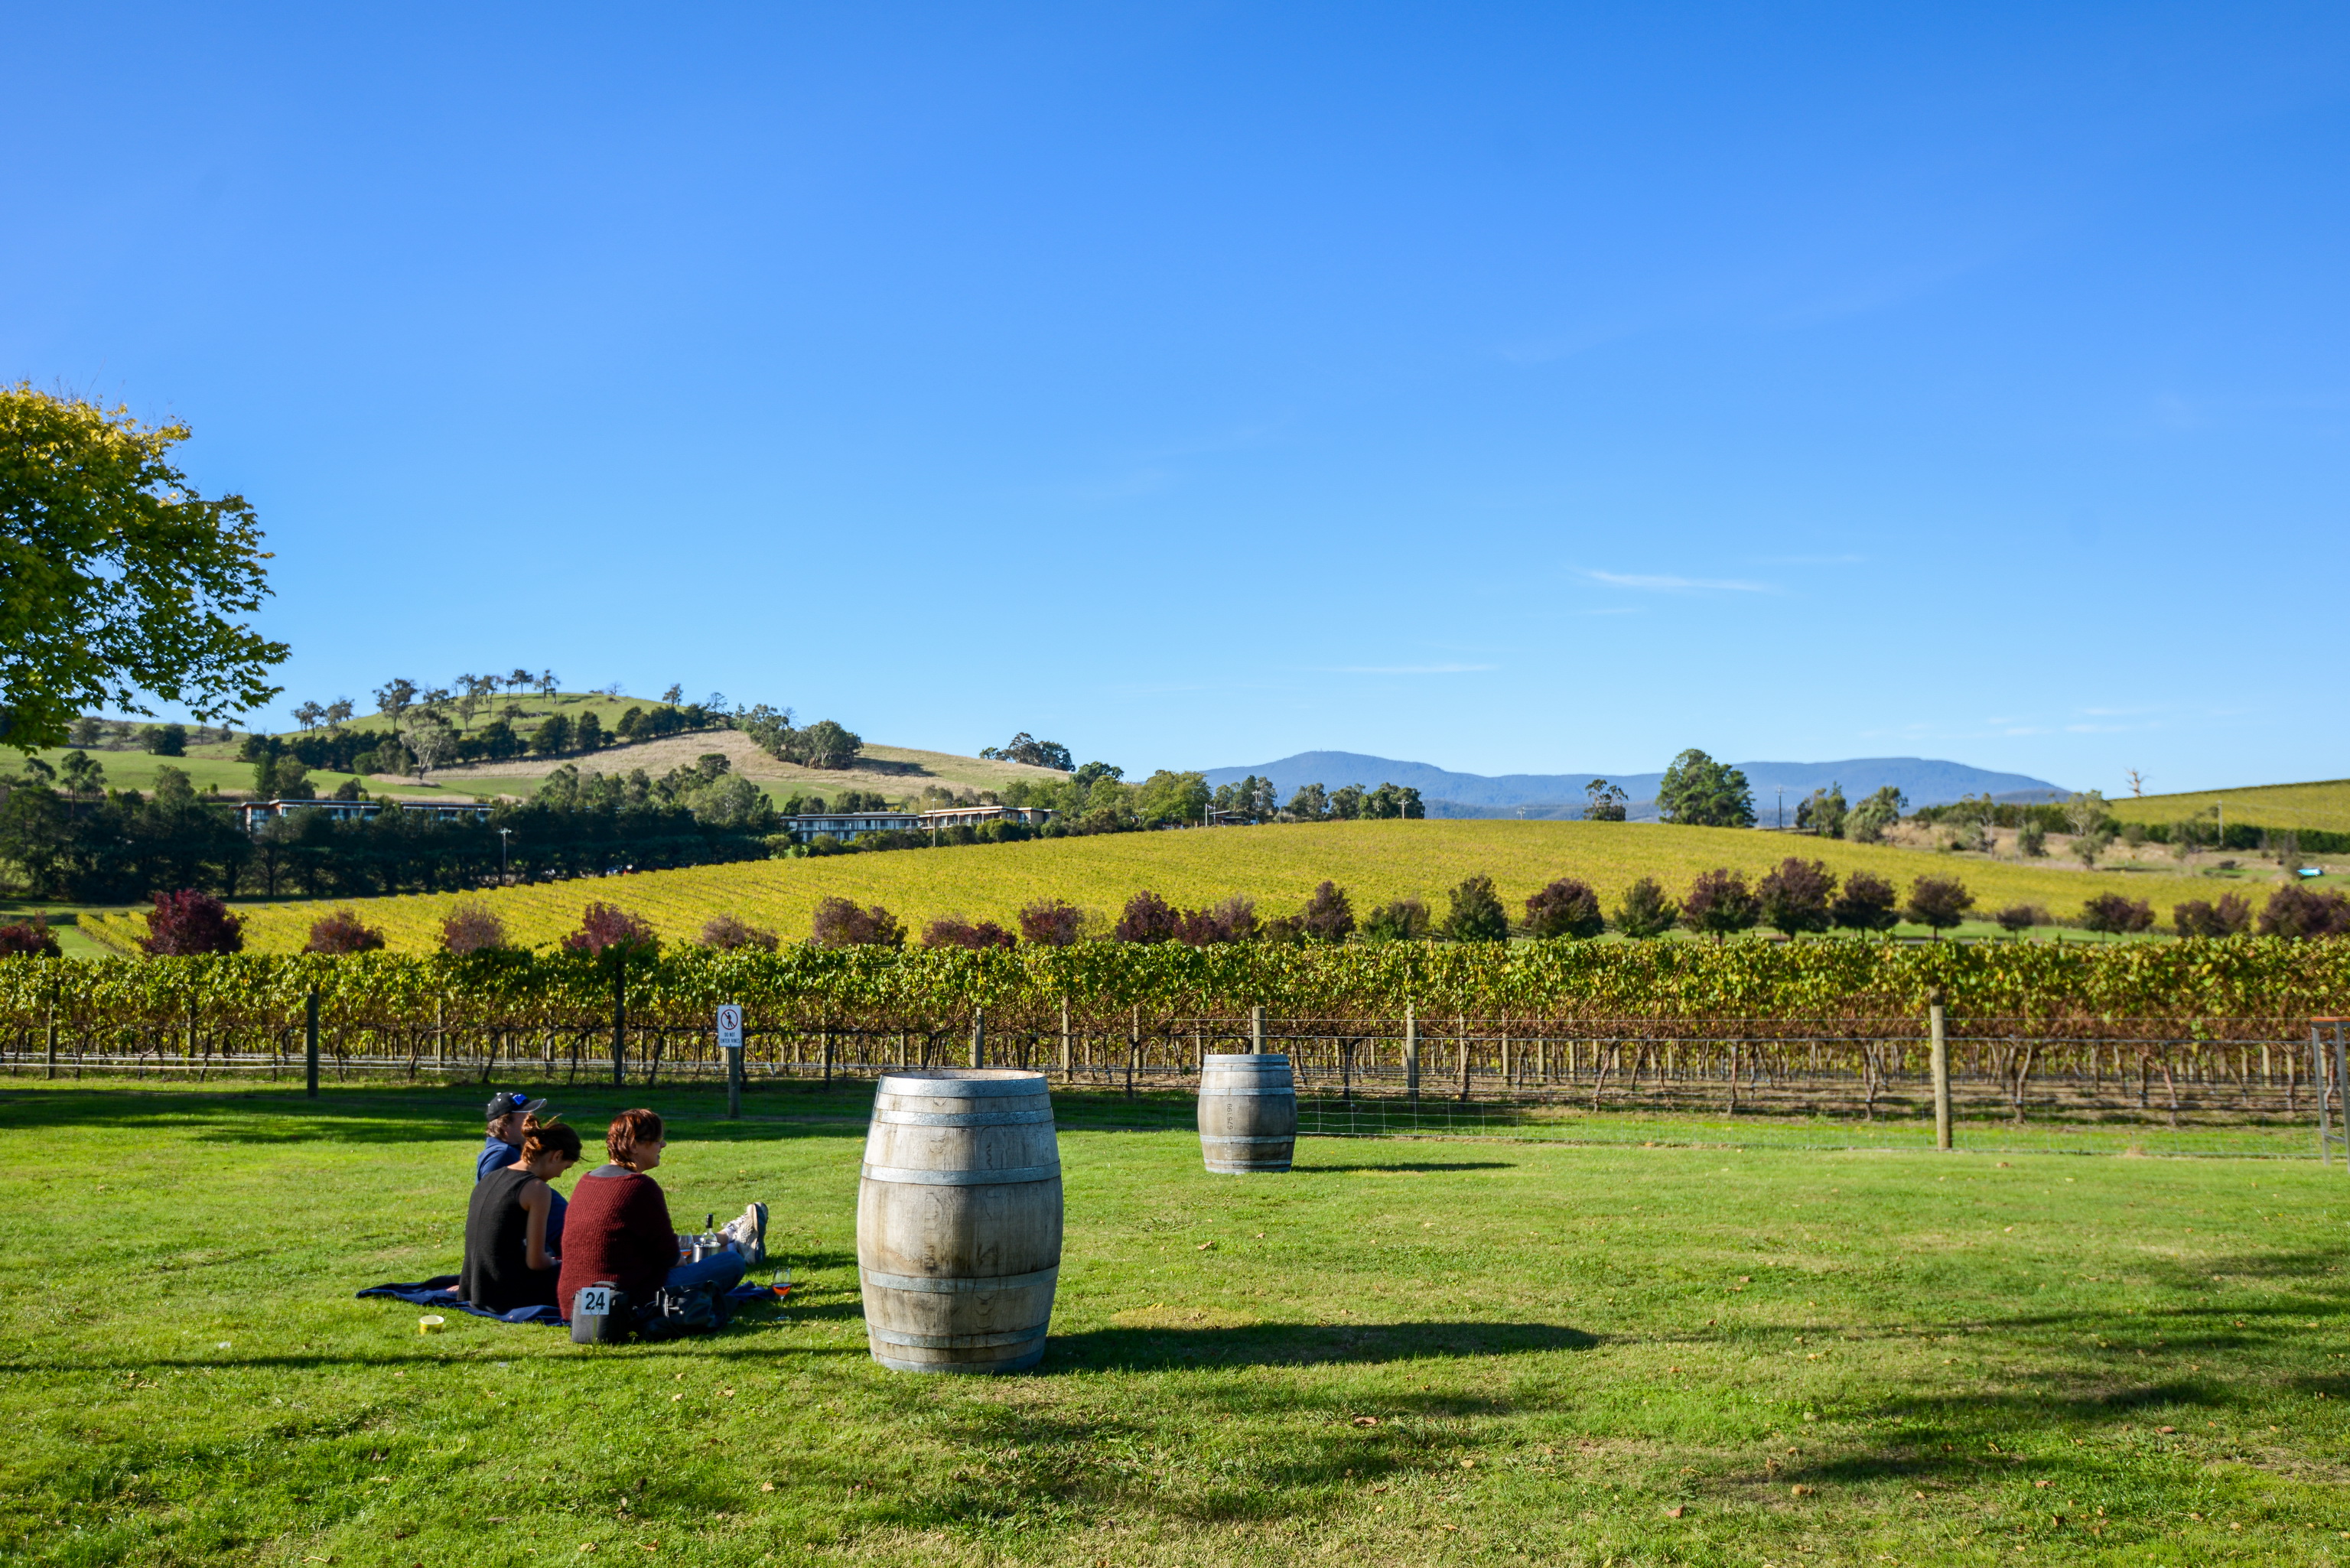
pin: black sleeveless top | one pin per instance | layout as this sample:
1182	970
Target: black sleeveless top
497	1274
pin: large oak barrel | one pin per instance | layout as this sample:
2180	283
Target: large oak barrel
959	1220
1248	1113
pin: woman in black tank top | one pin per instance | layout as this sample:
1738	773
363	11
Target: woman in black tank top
508	1265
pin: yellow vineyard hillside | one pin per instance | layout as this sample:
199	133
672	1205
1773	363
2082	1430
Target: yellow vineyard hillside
2321	805
1277	866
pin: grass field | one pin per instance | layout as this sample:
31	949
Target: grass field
2325	804
1278	867
1401	1352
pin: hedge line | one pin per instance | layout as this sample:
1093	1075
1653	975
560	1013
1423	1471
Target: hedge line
2184	986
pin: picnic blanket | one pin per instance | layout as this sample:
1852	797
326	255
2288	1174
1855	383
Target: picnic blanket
439	1293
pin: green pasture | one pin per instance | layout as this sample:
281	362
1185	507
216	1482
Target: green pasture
1404	1352
136	770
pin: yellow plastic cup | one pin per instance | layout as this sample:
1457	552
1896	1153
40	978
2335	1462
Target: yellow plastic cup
431	1323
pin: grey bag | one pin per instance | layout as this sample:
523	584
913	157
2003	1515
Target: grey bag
601	1314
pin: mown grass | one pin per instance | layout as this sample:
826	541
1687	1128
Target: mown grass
2325	804
1278	867
1403	1352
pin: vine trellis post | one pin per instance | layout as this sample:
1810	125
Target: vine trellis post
619	1016
1941	1049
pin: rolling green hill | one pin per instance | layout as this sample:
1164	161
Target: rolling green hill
2323	805
898	772
1278	867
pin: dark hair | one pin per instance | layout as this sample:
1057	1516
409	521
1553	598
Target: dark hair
628	1129
546	1137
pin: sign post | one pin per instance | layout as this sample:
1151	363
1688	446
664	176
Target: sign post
730	1044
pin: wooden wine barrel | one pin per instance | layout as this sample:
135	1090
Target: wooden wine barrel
1248	1113
959	1220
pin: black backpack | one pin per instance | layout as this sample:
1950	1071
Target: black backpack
681	1310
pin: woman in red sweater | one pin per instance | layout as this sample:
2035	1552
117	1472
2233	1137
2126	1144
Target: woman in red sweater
618	1230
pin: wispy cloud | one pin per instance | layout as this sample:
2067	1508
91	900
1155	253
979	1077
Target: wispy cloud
1665	584
1404	669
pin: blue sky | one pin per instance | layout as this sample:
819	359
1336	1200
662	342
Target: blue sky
1512	389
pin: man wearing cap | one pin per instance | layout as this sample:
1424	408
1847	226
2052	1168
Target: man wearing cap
508	1117
511	1118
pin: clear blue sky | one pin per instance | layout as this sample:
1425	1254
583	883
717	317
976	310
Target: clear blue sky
1509	388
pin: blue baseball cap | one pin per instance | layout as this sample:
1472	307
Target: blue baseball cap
512	1104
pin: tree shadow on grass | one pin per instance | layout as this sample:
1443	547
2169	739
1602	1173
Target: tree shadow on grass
1300	1344
1412	1166
423	1114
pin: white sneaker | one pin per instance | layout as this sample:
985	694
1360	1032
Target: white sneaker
750	1235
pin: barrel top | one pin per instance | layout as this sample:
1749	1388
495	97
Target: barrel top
962	1083
1248	1059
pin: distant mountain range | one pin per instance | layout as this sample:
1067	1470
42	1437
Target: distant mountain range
1924	780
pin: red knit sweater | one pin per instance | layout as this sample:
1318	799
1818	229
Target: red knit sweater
617	1232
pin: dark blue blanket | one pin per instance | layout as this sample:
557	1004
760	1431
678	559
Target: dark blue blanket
439	1293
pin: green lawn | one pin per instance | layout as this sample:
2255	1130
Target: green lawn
1401	1352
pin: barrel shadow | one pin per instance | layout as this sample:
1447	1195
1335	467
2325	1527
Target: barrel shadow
1301	1344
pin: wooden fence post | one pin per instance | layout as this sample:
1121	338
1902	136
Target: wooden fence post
1256	1030
1068	1057
53	983
1410	1052
310	1045
979	1037
1941	1049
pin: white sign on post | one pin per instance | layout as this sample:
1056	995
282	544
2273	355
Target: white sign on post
729	1027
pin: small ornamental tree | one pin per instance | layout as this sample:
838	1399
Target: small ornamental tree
189	922
1328	916
472	928
1940	902
1647	910
1050	923
1404	920
950	932
841	924
1867	903
1564	908
1476	915
1720	904
732	933
608	928
2297	912
1233	921
1148	917
2019	917
2199	918
343	933
1796	896
29	939
2116	913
